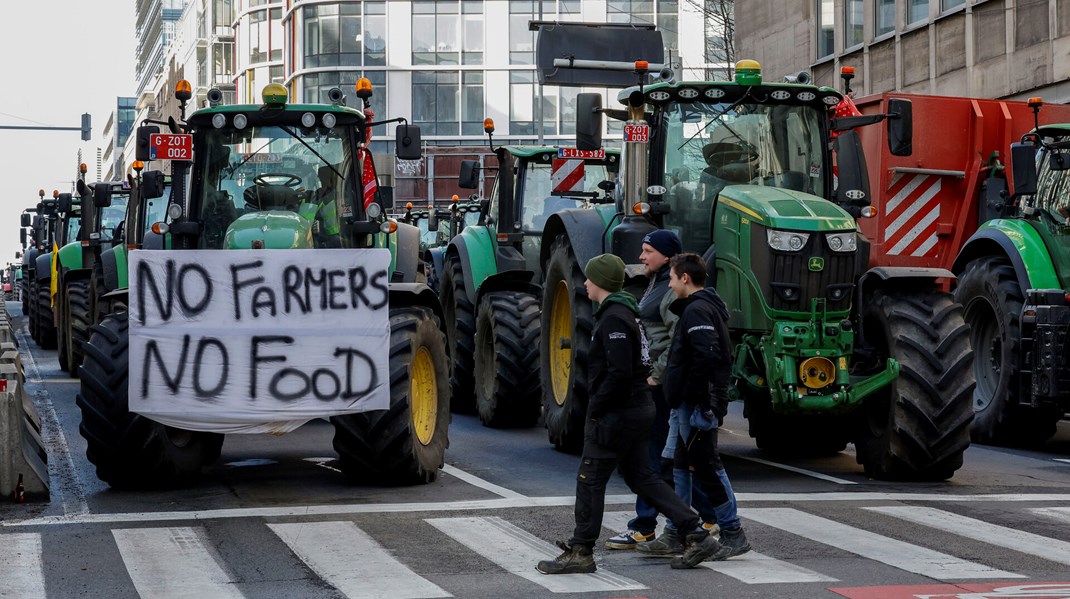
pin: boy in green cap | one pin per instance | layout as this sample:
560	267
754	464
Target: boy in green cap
620	414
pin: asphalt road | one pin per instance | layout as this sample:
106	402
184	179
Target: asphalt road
273	518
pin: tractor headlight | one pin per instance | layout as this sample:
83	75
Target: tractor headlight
374	210
842	242
219	120
329	120
786	241
240	121
308	120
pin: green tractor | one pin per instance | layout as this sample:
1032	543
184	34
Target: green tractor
1014	282
827	351
490	277
249	187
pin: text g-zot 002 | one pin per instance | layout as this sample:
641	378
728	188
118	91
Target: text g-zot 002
170	146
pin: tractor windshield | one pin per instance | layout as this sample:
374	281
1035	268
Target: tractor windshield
112	216
711	146
279	167
1053	191
538	201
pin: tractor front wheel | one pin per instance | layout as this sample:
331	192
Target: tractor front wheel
405	443
460	315
76	322
46	329
508	393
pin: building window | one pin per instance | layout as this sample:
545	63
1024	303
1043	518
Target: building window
885	21
946	5
345	34
276	34
222	63
825	29
276	74
917	10
258	36
316	86
522	103
852	23
435	105
663	13
447	32
223	17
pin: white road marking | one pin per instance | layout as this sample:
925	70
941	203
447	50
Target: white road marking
755	568
21	571
517	551
979	530
1061	514
177	563
479	482
1064	460
818	475
505	504
69	495
899	554
352	562
322	463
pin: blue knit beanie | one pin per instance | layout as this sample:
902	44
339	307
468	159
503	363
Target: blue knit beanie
665	242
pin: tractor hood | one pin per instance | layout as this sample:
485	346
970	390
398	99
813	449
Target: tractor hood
277	229
778	208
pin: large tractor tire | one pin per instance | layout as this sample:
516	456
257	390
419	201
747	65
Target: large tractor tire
406	443
31	310
46	329
76	322
567	322
63	345
917	427
98	306
129	450
992	300
460	316
508	392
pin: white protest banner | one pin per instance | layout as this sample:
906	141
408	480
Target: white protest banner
252	341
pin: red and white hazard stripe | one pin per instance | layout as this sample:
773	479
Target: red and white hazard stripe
911	215
567	175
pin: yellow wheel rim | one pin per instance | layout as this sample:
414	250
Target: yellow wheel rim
560	342
424	396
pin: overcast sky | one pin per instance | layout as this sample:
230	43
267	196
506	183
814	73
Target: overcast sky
61	58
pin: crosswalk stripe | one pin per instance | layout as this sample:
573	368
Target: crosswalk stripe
352	562
1061	514
893	552
21	570
979	530
173	563
517	551
756	568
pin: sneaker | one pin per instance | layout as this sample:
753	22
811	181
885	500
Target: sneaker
628	540
575	560
711	527
700	547
668	544
736	541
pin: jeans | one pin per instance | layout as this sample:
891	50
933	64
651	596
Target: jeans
682	479
699	457
646	515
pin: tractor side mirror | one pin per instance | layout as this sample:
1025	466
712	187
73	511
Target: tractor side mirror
24	219
1024	168
151	185
408	142
469	177
102	194
588	121
900	127
853	187
65	203
432	219
141	146
22	237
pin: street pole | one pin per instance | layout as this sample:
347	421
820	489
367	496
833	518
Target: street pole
538	108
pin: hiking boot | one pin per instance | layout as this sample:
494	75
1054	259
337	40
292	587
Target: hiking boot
711	527
700	547
668	544
576	559
628	540
735	541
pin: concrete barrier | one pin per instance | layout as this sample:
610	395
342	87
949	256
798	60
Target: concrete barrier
22	451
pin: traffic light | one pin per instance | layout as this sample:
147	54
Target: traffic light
87	127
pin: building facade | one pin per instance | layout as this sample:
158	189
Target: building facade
116	133
978	48
154	28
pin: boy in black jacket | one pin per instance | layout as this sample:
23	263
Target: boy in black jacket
696	384
620	414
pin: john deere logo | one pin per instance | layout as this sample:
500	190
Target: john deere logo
816	264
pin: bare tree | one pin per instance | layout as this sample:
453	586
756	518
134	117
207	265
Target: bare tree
720	28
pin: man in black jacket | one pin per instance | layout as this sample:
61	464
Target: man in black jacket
696	384
620	414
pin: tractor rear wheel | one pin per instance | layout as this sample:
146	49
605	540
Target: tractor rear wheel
31	309
567	323
460	316
992	299
76	322
131	451
405	443
917	427
46	330
63	344
508	393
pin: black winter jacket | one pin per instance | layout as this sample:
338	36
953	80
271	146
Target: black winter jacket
700	357
615	370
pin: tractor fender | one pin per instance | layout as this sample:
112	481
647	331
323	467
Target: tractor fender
883	276
70	255
416	294
583	228
436	256
475	248
993	240
120	295
407	252
510	280
43	270
108	266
